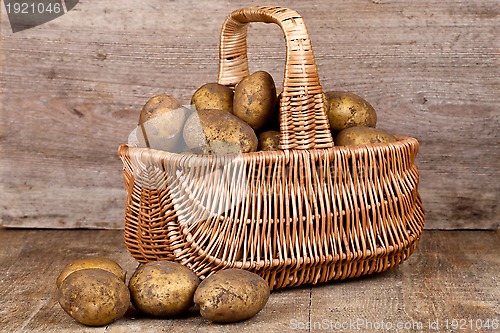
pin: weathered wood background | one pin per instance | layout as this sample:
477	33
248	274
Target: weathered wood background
71	91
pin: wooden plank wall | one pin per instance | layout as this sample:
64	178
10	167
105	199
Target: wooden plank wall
71	90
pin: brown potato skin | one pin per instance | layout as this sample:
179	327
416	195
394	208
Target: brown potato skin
326	104
274	121
160	123
354	136
346	109
94	297
94	262
163	288
231	295
255	99
273	124
218	132
156	104
213	96
268	140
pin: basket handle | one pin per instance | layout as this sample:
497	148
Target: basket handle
303	121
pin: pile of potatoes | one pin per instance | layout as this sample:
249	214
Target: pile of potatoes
221	120
94	292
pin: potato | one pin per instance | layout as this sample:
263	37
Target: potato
163	288
218	132
160	124
94	297
326	104
362	135
273	123
346	109
94	262
231	295
213	96
268	140
255	99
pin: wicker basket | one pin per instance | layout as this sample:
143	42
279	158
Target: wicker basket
305	214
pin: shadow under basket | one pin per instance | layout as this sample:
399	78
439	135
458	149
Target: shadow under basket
305	214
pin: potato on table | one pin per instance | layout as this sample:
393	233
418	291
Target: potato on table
231	295
94	297
92	262
163	288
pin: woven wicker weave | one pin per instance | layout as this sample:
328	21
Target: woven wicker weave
305	214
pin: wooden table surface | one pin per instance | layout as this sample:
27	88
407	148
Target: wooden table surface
449	284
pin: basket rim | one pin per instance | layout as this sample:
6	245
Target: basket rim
351	150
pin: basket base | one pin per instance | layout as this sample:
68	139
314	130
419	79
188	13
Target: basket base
288	273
